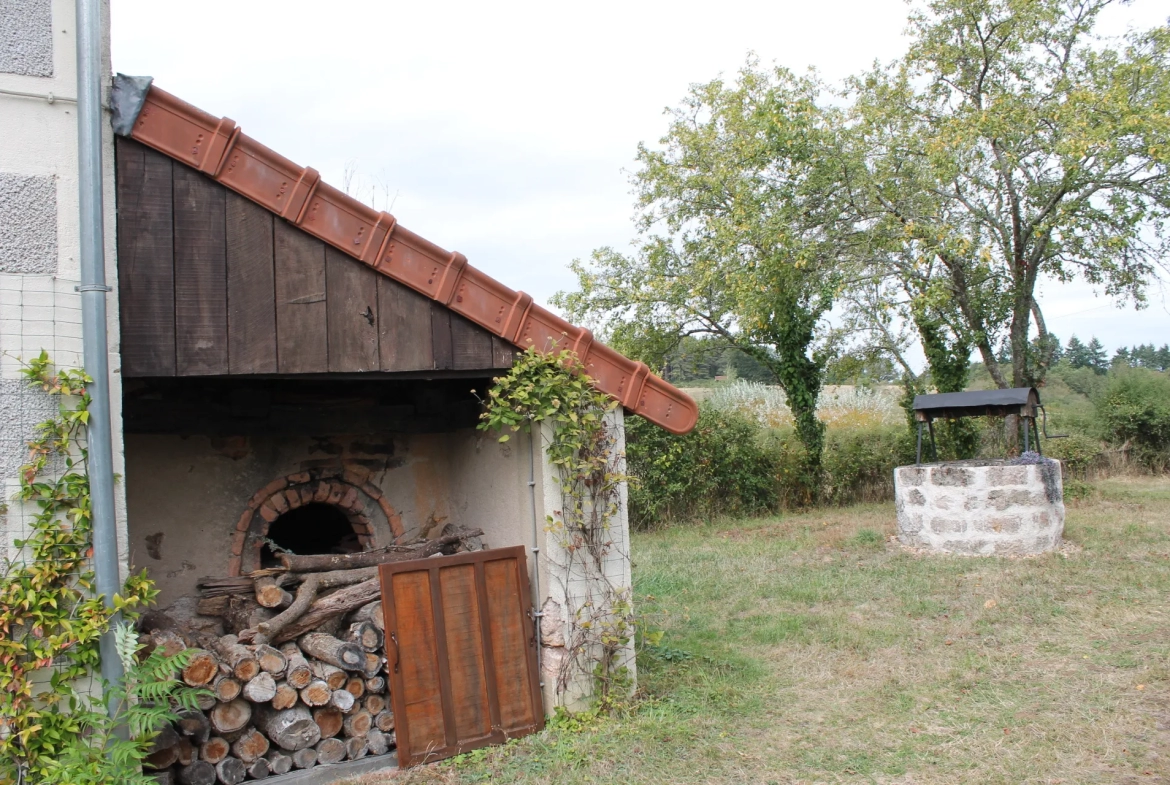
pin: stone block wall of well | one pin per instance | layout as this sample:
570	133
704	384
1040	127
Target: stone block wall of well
980	510
39	233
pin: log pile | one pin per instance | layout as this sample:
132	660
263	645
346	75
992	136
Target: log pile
297	679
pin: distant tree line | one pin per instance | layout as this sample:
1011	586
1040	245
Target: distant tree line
1092	355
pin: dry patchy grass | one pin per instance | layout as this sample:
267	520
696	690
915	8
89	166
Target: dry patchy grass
819	651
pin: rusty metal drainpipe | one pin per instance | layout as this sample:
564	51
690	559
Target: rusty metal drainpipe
538	603
93	321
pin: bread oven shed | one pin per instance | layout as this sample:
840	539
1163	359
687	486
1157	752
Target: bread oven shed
301	372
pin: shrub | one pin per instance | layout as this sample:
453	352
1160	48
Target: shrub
1134	407
1085	380
1077	452
718	468
731	465
859	462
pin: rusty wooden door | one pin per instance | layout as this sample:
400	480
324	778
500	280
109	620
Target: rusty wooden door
461	653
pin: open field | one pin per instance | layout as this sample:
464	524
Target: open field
808	648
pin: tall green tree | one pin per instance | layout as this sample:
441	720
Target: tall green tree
742	236
1009	144
1076	353
1096	357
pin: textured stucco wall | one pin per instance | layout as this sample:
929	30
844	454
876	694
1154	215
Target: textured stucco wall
489	487
39	234
187	493
980	510
569	582
21	408
26	37
28	223
490	491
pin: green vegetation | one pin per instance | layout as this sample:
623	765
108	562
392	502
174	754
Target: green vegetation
922	201
805	649
744	458
54	726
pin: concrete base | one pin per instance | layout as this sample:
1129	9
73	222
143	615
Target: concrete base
980	508
337	772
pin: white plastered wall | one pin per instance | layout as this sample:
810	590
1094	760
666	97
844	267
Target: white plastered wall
39	232
570	585
490	491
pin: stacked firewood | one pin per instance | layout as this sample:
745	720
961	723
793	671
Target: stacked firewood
292	661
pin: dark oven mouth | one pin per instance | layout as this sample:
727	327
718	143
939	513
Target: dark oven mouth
316	528
310	513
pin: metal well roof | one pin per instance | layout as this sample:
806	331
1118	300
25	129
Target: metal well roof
976	402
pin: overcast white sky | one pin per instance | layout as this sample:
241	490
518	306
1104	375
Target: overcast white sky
506	130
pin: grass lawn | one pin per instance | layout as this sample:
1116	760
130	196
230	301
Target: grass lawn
808	648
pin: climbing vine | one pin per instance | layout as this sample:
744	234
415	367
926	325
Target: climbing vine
581	444
50	618
948	360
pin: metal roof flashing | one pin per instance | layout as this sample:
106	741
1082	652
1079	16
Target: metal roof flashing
126	100
217	148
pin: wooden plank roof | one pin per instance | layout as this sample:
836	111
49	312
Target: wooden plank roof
217	148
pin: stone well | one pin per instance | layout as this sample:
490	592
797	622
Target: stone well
981	508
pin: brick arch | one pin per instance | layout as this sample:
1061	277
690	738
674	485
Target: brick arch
347	492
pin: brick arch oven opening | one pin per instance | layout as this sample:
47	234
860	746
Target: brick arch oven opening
311	513
315	528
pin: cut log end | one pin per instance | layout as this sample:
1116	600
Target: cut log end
201	669
316	694
214	750
374	703
261	689
384	721
290	729
279	763
305	759
356	748
231	771
251	746
329	720
198	773
231	717
342	701
377	741
258	769
286	696
330	751
358	723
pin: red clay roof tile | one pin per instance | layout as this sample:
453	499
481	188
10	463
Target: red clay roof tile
216	147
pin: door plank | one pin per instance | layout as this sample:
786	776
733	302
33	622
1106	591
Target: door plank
509	644
418	704
404	328
352	305
146	274
489	662
251	288
201	346
503	353
461	606
302	343
471	345
441	337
